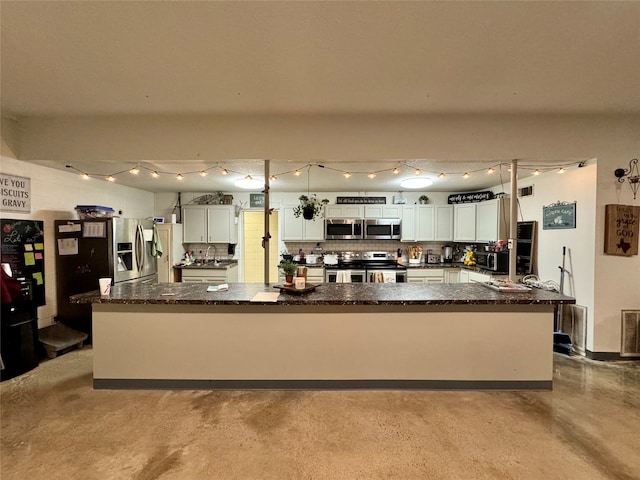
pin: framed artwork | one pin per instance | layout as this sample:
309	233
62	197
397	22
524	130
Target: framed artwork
559	216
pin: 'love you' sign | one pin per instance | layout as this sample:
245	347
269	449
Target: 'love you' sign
15	193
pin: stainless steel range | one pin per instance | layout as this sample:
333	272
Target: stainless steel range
366	267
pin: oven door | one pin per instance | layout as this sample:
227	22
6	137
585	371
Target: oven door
386	276
382	229
342	229
356	276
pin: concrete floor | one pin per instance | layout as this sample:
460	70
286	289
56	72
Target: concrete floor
55	426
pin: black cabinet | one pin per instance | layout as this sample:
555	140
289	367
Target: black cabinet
526	248
19	339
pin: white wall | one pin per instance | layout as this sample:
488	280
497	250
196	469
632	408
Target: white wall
54	195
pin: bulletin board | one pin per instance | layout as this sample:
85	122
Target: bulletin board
23	250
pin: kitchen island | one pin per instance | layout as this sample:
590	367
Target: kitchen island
386	336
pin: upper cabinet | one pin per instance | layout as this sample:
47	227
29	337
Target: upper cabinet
344	211
492	220
209	224
464	222
300	229
382	211
481	222
426	223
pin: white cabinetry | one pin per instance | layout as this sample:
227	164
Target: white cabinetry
408	226
382	211
210	275
451	275
492	220
172	250
464	276
344	211
443	222
464	222
425	226
478	277
209	224
300	229
425	275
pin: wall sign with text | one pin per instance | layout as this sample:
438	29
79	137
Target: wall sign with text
559	215
15	193
621	228
470	197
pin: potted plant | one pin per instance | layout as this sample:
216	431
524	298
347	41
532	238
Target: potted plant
423	199
288	268
310	207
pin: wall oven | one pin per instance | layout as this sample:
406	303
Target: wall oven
343	229
382	229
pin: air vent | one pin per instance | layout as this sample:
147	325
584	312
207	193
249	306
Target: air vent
525	191
630	333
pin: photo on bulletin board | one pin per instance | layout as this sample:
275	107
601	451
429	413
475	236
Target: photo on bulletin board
559	216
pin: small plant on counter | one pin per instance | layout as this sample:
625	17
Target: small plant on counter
310	207
289	269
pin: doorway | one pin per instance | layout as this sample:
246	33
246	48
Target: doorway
252	251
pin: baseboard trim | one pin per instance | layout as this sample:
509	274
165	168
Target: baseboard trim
608	356
172	384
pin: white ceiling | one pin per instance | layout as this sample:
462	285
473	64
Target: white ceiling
214	58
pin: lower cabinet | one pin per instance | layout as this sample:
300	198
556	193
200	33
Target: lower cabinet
314	275
452	275
203	275
425	275
468	276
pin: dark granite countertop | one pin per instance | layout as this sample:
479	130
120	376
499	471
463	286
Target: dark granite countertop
223	265
324	294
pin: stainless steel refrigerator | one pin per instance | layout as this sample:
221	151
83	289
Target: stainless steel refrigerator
86	250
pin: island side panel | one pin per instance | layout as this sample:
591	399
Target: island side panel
506	343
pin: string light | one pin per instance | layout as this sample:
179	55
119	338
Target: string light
273	178
396	171
561	170
537	172
85	176
491	171
224	171
155	174
466	175
346	174
134	171
442	175
297	173
110	178
417	171
204	173
372	175
179	177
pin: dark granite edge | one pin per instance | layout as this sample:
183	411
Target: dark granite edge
176	384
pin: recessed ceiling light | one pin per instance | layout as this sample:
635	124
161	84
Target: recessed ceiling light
249	183
416	182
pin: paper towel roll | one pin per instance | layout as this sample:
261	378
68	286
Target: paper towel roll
173	218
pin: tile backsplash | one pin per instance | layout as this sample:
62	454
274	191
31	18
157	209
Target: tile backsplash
335	246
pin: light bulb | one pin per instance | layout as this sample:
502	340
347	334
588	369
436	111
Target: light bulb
346	174
204	173
372	175
155	174
417	171
561	170
537	172
466	175
179	177
442	175
134	171
396	171
224	171
273	178
85	176
110	178
297	173
490	170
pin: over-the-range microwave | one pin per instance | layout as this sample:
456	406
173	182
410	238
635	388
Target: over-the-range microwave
382	229
343	229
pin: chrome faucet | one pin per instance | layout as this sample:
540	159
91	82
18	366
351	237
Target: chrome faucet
206	255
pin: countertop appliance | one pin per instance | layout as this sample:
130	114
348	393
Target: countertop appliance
494	261
343	229
447	254
382	229
86	250
366	267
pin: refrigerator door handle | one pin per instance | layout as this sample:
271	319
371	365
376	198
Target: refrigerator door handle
139	247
